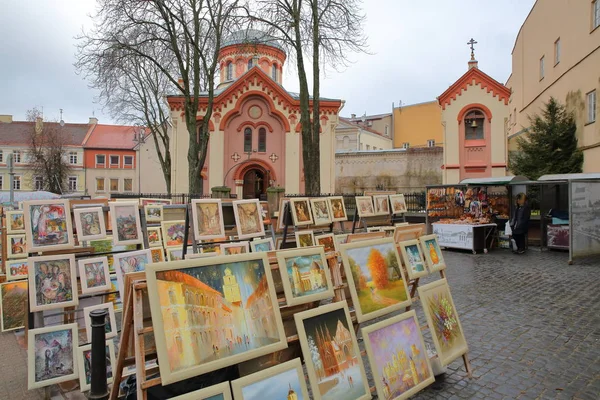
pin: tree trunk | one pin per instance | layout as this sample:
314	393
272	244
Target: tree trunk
315	184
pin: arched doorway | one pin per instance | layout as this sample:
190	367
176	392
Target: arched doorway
255	184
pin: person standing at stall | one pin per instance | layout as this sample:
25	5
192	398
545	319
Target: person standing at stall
519	222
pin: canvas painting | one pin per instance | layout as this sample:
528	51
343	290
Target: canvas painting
361	237
338	209
16	247
413	259
398	204
89	223
280	219
364	205
262	245
177	254
265	212
106	245
133	261
305	239
440	312
114	295
220	391
283	381
51	356
376	281
326	241
154	236
111	323
173	233
332	357
235	248
16	269
207	216
158	254
48	225
126	224
165	202
301	211
52	282
213	312
13	298
153	212
94	275
320	210
398	357
85	364
382	204
340	239
305	275
433	253
15	222
248	219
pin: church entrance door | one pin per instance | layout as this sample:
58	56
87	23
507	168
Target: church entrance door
254	184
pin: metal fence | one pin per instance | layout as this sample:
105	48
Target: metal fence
177	198
415	202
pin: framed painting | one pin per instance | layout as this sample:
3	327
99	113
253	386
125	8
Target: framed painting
115	293
402	224
305	239
48	225
440	312
398	356
16	269
125	222
248	219
305	275
13	305
283	381
262	245
321	211
154	236
153	212
326	241
84	360
398	203
373	229
335	372
192	256
375	278
52	282
433	254
158	254
15	222
173	232
381	204
111	323
360	237
207	217
265	212
176	254
338	209
413	258
51	355
132	261
145	201
221	391
228	249
364	205
89	223
388	230
94	275
340	239
407	232
15	246
281	217
300	208
234	296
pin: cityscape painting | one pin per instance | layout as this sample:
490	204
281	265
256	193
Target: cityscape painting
207	216
283	381
125	222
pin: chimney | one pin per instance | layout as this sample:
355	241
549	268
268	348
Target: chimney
6	119
352	116
93	121
39	125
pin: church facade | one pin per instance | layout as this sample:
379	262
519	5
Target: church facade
255	140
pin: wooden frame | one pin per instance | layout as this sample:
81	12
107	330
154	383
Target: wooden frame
364	205
52	284
31	355
407	232
271	378
18	249
85	289
360	237
256	242
429	294
302	236
111	318
381	204
215	228
154	234
334	310
432	252
412	326
301	213
83	385
244	245
398	204
121	272
153	212
317	204
33	242
145	201
20	304
208	393
133	209
294	283
242	220
169	239
22	262
78	213
337	208
413	261
327	241
15	222
172	366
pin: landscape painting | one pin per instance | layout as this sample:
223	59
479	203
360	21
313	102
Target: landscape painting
15	222
153	212
262	245
207	216
220	391
283	381
16	269
446	330
433	253
413	259
89	223
213	312
52	282
338	209
248	219
320	210
85	364
332	357
114	295
51	355
133	261
398	357
94	275
376	281
48	225
13	298
173	233
126	224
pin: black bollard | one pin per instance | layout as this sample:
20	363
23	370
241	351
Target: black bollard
99	387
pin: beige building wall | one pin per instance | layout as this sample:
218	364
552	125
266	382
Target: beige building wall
151	177
576	73
351	137
106	174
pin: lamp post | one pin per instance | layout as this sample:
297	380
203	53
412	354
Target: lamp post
139	138
99	386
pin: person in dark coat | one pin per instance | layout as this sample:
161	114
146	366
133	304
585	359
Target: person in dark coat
520	222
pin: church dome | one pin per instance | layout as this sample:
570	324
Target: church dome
251	37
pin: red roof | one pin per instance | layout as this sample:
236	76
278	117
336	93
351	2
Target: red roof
111	137
474	76
18	133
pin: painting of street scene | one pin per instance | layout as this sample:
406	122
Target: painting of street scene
306	275
49	225
13	298
208	219
248	218
126	223
53	355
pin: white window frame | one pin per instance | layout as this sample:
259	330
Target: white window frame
109	185
110	163
17	182
274	72
405	145
73	156
102	164
125	190
104	186
125	165
591	104
17	156
595	14
70	179
37	179
431	143
542	70
229	71
557	52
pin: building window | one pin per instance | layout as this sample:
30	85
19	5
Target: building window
1	182
387	133
346	142
274	72
250	64
542	68
596	14
229	71
591	107
247	140
127	185
405	145
128	161
114	161
114	184
557	51
262	140
1	156
100	160
474	125
431	143
72	158
72	183
38	183
16	156
99	184
17	182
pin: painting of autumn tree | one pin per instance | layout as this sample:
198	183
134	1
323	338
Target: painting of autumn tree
379	269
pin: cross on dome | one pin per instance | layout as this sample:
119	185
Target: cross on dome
472	44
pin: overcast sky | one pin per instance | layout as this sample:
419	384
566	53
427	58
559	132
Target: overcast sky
418	49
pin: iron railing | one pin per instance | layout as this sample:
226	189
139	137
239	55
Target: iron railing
177	198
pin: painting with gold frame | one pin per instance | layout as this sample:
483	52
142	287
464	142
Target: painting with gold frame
281	381
433	253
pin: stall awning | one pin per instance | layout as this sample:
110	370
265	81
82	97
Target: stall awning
569	177
495	181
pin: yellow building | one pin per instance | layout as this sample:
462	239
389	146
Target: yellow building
557	53
418	125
